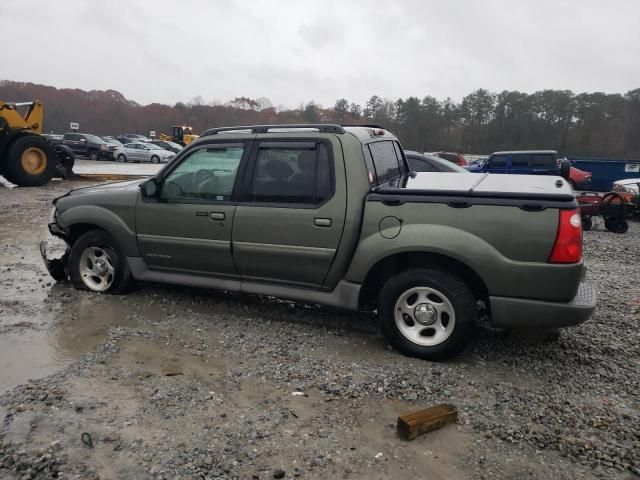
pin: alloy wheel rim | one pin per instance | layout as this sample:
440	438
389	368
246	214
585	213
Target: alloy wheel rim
424	316
96	269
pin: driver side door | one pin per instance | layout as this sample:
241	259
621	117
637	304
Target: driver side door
187	229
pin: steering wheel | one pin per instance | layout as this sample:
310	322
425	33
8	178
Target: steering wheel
201	176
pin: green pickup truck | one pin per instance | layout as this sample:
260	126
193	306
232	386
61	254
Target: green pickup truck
332	215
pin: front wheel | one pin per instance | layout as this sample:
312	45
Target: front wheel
155	159
427	313
122	158
93	155
587	223
97	264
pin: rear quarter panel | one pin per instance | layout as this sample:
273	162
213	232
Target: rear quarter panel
506	246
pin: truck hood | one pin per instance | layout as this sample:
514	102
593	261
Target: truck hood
484	185
108	187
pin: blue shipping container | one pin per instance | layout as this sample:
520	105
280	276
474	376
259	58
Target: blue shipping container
605	171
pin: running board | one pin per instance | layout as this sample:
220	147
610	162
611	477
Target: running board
345	295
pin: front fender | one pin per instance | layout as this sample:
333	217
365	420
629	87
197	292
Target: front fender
105	219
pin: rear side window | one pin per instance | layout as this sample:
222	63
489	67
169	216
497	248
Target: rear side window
417	164
498	161
520	160
292	172
385	160
449	156
545	160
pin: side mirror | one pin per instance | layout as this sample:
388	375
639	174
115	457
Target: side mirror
149	188
565	169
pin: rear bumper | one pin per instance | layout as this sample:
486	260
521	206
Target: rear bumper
521	312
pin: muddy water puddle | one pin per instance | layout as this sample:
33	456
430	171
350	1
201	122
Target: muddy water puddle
42	335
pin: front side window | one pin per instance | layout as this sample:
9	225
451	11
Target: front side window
206	174
292	172
385	160
498	162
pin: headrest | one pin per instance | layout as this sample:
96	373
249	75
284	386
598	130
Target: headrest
278	169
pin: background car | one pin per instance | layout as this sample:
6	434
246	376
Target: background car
452	157
112	141
142	152
579	179
424	162
52	138
172	146
135	136
88	145
631	185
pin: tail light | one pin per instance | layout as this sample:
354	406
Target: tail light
568	246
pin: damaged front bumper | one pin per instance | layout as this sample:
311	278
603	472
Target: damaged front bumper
57	267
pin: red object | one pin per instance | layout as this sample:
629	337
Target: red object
579	178
453	158
568	246
589	203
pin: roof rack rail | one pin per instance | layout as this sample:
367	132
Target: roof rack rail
366	125
321	127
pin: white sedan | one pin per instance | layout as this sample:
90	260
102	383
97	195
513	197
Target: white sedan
627	185
142	152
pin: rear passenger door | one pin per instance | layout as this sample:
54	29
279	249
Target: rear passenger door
288	226
521	164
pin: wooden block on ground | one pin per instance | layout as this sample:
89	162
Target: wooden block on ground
410	425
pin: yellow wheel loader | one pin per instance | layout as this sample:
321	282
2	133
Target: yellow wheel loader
180	134
27	158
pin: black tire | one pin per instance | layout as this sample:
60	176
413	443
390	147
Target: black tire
122	280
587	223
617	226
454	290
93	155
41	173
65	161
122	158
155	159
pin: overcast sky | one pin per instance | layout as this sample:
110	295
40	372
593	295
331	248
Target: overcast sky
294	51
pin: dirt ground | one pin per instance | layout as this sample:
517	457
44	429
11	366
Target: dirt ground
181	383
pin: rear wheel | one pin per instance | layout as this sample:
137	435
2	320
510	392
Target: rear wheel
31	161
427	313
587	223
617	226
97	264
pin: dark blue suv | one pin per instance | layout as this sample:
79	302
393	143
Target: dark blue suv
523	162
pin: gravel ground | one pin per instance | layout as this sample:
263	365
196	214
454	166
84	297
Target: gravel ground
184	383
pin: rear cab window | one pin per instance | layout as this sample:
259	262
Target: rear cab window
384	160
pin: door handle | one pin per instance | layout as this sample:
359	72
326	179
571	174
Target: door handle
322	222
216	216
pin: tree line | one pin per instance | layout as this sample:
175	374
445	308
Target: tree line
589	124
